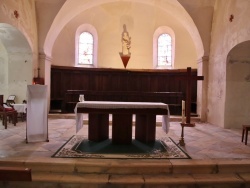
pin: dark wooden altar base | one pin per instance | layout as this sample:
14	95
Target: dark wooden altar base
145	126
98	127
122	128
122	124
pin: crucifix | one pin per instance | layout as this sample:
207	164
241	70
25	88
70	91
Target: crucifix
189	78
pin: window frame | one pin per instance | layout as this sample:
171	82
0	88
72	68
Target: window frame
89	29
158	32
89	44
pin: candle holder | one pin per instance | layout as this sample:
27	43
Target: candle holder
183	116
181	141
81	98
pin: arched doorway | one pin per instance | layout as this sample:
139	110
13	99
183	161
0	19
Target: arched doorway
237	103
15	63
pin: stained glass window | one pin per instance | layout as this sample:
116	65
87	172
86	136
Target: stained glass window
164	50
86	49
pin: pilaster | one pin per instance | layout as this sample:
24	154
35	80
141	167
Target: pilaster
202	88
45	71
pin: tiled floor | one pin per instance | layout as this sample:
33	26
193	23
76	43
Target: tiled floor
204	141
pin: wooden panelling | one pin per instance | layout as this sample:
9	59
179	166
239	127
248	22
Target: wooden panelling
166	86
1	99
15	174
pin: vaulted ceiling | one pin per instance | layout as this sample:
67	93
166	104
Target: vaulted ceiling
13	40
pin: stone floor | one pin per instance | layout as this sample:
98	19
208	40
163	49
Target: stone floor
204	141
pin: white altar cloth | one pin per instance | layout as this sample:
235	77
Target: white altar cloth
20	108
114	105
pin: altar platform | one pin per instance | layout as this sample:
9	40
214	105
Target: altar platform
219	159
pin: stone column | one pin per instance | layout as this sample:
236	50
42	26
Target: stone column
202	88
45	72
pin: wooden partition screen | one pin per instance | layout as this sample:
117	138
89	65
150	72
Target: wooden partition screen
103	84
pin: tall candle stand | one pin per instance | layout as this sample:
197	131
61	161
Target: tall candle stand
184	124
189	78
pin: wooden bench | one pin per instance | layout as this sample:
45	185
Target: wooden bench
245	129
15	174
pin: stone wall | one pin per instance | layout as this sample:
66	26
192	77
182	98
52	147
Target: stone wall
237	106
226	34
19	38
108	19
3	69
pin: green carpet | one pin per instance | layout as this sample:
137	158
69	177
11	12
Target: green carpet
80	147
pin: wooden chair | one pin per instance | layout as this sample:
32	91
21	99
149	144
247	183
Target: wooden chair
8	112
11	100
245	129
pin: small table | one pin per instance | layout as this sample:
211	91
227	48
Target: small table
122	112
21	109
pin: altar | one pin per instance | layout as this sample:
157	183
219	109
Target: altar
20	108
122	118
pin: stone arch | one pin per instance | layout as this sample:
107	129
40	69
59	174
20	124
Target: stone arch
16	63
237	103
78	6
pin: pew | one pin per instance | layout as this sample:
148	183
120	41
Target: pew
15	174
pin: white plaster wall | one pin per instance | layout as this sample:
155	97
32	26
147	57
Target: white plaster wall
225	35
72	8
20	74
20	41
141	21
46	11
201	12
18	62
26	20
3	70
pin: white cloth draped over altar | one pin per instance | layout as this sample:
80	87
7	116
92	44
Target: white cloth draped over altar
113	105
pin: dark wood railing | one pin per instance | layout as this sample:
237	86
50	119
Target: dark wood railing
166	86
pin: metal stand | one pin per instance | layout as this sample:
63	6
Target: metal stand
181	141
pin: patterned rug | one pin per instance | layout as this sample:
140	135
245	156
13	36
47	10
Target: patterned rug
80	147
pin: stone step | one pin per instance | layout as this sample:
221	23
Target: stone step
46	179
132	173
133	166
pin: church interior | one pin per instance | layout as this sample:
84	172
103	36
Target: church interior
151	51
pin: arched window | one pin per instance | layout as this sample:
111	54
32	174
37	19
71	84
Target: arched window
85	53
86	41
163	48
